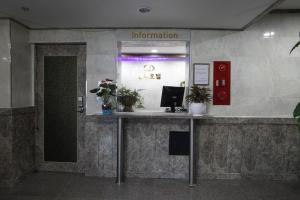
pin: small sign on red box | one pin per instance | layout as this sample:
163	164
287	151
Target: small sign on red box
221	84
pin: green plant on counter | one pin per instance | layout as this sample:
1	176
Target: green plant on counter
198	95
129	98
296	115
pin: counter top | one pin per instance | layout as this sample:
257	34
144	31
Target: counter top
206	119
154	114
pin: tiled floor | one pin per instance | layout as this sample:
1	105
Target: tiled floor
56	186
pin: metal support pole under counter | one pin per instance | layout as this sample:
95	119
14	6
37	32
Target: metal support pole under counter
120	141
192	157
120	153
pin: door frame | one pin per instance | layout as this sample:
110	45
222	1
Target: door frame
59	49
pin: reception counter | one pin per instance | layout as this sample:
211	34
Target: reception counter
120	142
137	145
222	147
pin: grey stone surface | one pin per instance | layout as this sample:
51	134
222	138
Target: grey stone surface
100	142
68	186
5	111
234	149
147	149
23	141
17	140
292	148
246	120
249	148
226	148
5	149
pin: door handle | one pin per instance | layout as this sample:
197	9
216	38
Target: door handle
81	106
81	110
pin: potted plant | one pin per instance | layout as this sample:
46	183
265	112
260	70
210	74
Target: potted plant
129	98
106	90
296	115
198	98
296	112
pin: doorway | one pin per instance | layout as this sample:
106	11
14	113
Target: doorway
60	100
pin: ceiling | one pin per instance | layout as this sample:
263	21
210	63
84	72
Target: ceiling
211	14
289	4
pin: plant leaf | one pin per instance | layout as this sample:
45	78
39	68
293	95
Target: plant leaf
95	90
296	112
296	115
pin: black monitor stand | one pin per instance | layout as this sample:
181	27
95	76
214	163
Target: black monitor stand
172	110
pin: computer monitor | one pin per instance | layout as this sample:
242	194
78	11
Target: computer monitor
172	97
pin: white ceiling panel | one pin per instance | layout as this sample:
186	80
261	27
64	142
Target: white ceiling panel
214	14
289	4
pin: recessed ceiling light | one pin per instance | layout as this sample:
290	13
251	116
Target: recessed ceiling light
144	9
25	9
269	34
154	51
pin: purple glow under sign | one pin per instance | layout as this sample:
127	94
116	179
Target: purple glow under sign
150	58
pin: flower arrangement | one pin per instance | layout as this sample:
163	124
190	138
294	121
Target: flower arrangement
106	89
129	98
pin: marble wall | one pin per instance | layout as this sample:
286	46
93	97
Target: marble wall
248	148
22	70
16	69
17	122
101	53
227	148
146	149
5	59
17	149
265	82
5	146
265	78
101	139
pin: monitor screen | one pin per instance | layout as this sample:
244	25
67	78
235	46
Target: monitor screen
172	97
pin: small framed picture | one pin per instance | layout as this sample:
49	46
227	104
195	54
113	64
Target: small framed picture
201	73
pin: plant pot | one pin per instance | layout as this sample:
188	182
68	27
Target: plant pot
106	109
120	108
198	108
127	109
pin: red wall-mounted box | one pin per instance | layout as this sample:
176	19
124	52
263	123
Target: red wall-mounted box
221	85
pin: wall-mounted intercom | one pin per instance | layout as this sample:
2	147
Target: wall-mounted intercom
221	93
